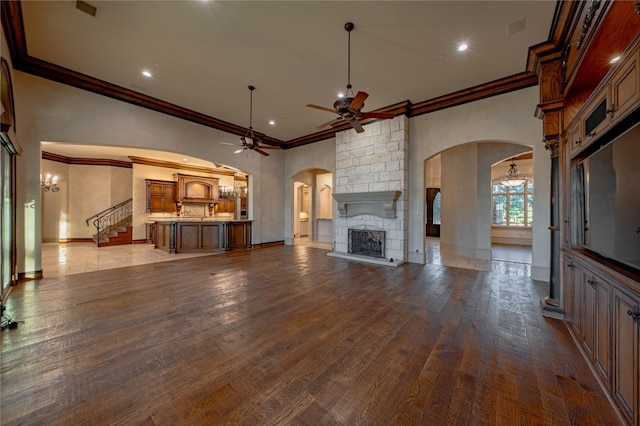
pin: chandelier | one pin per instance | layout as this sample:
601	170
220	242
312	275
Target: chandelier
49	183
513	177
226	193
238	190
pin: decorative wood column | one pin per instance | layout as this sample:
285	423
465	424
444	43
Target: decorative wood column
550	72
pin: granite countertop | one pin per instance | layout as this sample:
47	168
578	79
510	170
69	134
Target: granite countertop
195	219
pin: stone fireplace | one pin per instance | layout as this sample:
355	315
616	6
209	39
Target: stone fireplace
370	190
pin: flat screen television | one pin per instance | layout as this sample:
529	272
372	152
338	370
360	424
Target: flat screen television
606	187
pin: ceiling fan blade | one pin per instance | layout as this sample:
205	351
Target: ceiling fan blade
358	101
261	152
238	151
329	123
383	115
229	143
356	125
322	108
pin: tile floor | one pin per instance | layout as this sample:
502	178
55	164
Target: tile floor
76	258
514	262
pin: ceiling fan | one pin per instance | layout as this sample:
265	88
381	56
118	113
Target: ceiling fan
251	140
349	107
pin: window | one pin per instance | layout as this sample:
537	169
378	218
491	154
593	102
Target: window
512	205
436	209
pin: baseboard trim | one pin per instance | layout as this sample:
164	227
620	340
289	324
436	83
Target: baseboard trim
540	273
75	240
472	252
270	244
30	276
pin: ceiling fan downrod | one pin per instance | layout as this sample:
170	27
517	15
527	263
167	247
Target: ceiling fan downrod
349	27
251	89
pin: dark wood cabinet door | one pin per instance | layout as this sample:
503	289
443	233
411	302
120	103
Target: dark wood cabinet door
238	235
602	337
161	196
625	355
210	236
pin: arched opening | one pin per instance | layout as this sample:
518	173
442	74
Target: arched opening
512	208
312	208
90	179
459	203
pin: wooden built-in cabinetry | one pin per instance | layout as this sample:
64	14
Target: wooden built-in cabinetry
161	196
600	297
224	205
610	102
196	188
171	197
603	312
202	236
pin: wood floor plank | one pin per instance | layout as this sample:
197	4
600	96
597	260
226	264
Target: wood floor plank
288	335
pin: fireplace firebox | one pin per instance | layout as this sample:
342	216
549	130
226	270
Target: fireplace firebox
366	242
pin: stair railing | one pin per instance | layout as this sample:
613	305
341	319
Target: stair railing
114	217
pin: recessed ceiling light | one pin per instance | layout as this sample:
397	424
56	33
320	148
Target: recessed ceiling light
462	47
185	159
272	122
614	59
146	73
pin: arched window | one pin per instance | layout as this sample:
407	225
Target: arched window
436	209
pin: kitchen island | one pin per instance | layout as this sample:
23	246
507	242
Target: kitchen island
201	236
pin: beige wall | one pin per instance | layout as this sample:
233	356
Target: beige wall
320	155
505	118
84	191
50	111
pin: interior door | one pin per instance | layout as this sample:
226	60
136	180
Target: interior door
433	212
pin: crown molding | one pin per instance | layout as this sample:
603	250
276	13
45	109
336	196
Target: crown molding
85	161
14	33
180	166
497	87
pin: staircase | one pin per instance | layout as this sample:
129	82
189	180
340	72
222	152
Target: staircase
113	225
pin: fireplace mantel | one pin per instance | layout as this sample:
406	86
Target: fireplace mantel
381	204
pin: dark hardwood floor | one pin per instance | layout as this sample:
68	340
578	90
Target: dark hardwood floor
288	335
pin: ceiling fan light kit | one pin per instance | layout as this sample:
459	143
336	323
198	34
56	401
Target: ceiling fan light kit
349	107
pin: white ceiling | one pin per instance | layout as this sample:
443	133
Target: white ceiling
204	54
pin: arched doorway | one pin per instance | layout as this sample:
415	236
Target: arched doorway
312	207
458	189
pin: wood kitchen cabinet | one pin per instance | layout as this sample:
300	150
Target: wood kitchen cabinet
224	205
205	236
161	196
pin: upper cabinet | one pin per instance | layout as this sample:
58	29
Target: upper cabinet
612	101
625	87
161	196
196	189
